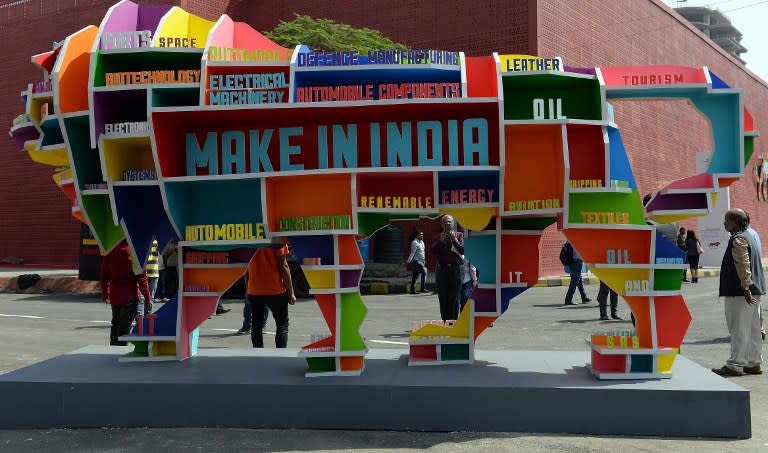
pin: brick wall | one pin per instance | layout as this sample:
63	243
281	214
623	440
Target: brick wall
35	220
596	33
662	138
445	24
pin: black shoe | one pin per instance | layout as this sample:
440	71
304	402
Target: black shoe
604	318
763	335
425	291
568	302
586	301
221	311
685	280
412	292
616	317
243	331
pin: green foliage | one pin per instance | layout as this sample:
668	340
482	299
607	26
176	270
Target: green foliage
327	35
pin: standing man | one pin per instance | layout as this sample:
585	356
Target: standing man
742	283
121	288
449	250
268	279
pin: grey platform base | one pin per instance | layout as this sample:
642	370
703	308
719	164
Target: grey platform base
504	391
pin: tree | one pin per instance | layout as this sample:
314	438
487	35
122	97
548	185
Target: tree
327	35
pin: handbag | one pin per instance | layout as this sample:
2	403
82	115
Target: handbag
699	248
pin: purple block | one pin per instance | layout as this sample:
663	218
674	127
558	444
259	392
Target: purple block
241	255
350	279
485	300
24	134
672	202
150	15
578	70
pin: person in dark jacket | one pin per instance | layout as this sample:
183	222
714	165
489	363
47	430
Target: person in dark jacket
692	246
121	288
742	283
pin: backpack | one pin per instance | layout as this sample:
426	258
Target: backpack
566	254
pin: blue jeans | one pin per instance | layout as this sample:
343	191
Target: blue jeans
418	268
466	291
576	282
247	316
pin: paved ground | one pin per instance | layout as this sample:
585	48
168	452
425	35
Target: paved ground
34	327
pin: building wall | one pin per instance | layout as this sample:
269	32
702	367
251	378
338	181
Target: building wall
596	33
35	220
662	138
443	24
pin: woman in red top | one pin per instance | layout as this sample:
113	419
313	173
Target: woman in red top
121	288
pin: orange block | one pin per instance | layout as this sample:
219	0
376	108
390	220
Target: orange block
349	253
594	244
640	308
351	363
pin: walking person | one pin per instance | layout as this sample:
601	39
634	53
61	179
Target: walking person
449	252
417	260
269	284
602	300
576	262
693	251
742	283
681	235
121	289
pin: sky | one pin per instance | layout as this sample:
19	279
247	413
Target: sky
749	17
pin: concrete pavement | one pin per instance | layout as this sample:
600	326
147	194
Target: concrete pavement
34	327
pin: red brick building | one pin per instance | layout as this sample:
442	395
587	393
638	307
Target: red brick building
662	138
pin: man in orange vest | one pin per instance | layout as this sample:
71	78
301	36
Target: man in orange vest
269	284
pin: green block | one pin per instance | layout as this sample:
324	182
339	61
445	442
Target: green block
533	223
353	312
140	348
749	148
321	364
608	202
454	352
85	160
579	97
667	279
99	212
641	363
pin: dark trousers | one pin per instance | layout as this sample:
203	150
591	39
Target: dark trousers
122	318
278	305
171	281
576	281
602	300
418	269
449	290
247	316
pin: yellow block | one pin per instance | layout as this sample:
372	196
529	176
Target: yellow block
459	330
472	218
163	348
666	361
615	278
178	23
56	157
320	279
